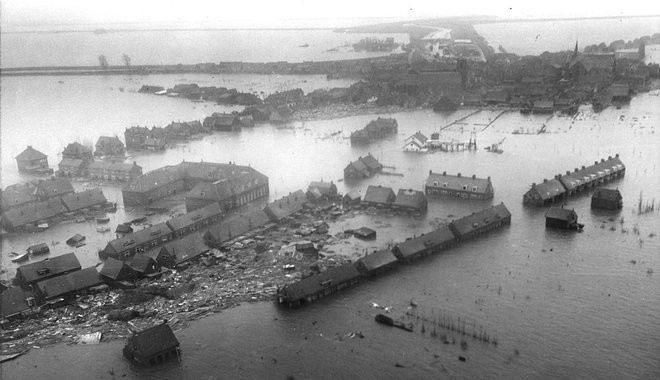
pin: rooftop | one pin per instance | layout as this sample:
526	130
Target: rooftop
316	283
427	241
49	267
457	182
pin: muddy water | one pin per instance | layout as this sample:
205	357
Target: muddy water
576	305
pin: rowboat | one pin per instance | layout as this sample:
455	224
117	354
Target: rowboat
20	258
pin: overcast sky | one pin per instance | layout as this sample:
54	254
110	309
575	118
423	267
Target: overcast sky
256	12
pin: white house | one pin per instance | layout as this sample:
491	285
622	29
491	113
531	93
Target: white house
416	143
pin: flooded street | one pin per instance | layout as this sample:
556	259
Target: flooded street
561	304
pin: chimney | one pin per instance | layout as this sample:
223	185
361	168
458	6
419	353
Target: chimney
616	155
533	185
576	170
602	160
474	176
609	158
583	167
595	162
459	174
134	163
430	172
568	172
545	180
444	173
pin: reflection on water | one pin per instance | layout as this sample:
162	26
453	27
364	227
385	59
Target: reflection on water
571	304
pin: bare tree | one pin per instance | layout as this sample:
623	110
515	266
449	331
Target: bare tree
103	61
127	61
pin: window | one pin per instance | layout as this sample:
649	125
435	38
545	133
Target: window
444	184
465	187
475	188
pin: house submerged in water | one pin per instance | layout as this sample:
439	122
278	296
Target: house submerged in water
558	217
152	346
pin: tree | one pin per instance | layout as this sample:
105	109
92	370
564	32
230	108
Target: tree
127	60
103	61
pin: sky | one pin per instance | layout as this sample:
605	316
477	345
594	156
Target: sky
254	13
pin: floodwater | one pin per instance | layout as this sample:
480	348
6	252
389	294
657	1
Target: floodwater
536	37
561	304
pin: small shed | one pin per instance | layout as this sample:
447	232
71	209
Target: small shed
353	198
377	262
559	217
607	199
115	270
152	346
307	248
364	233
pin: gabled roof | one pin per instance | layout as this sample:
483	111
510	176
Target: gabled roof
112	268
219	190
378	194
75	149
238	224
371	163
153	340
359	167
607	194
54	187
409	198
378	259
109	140
155	178
18	195
353	195
560	213
549	189
325	188
194	216
480	219
54	266
285	206
33	212
316	283
142	263
71	282
12	302
419	137
590	173
83	199
186	248
30	154
456	182
140	237
425	242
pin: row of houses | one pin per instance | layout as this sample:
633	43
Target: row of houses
99	169
571	183
335	279
230	185
30	215
363	167
375	130
404	199
156	138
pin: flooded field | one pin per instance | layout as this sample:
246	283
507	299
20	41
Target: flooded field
561	304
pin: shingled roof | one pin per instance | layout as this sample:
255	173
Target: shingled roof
425	242
12	302
153	340
285	206
194	216
84	199
316	283
549	189
32	213
47	268
480	219
378	259
456	182
54	187
30	154
379	194
70	283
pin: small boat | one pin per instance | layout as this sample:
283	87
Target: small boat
103	229
304	45
75	240
42	226
21	258
385	320
102	220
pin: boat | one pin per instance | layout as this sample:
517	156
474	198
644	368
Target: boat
385	320
304	45
102	220
75	240
42	226
21	258
103	229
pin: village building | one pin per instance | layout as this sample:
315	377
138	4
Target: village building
607	199
319	285
76	150
195	220
144	265
457	186
71	167
480	222
109	146
30	274
377	262
319	190
14	303
179	131
32	161
113	171
620	93
239	189
376	129
563	218
497	97
543	106
114	270
17	195
53	187
92	198
547	192
286	206
352	198
68	286
177	252
378	196
154	143
224	122
234	226
426	244
472	100
416	143
135	137
246	184
591	176
30	215
364	233
152	346
137	242
410	200
363	167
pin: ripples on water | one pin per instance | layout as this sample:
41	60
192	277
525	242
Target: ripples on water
572	304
